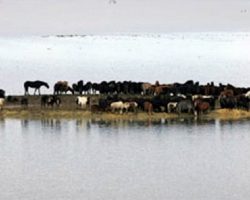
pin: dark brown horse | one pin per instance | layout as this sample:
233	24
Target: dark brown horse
227	93
34	84
62	86
50	100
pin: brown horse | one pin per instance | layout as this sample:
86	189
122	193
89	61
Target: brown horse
160	89
145	88
227	93
201	106
148	107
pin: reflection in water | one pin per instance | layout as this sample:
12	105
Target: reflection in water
85	125
42	125
82	124
146	123
53	124
124	159
25	123
2	123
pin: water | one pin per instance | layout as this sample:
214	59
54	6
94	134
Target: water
84	159
219	57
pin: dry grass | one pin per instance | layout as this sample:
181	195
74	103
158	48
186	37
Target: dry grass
44	113
76	113
227	114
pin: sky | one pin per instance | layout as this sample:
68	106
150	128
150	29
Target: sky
45	17
174	57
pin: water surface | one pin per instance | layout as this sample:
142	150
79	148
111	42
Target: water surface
81	159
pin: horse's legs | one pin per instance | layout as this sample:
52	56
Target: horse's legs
26	92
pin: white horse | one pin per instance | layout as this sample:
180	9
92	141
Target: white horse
198	96
247	95
82	101
1	103
119	106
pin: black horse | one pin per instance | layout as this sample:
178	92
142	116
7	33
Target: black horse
2	93
50	100
62	86
34	84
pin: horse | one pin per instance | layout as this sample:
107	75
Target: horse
247	95
62	86
228	102
148	107
50	100
2	100
201	106
171	107
82	101
227	93
34	84
243	102
119	106
145	88
2	93
78	87
185	106
206	98
133	106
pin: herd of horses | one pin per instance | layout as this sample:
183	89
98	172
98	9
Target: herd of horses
188	97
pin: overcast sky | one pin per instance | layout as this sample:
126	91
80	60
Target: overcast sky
42	17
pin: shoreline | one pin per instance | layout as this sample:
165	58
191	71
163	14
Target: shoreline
58	113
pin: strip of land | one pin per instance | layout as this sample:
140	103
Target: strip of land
77	113
69	110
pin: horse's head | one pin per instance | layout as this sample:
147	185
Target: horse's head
70	89
197	102
46	85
